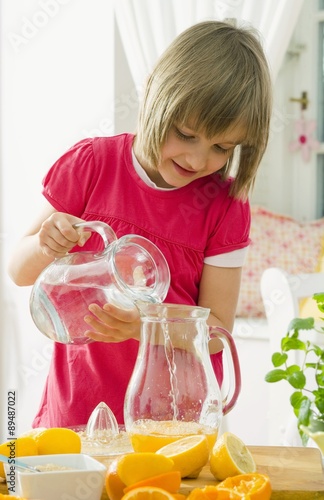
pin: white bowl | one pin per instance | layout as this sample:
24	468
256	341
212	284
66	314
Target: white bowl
85	480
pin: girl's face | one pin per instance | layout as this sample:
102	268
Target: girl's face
187	155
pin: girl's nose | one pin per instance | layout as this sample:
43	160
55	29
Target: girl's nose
198	160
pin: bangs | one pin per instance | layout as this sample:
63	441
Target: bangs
212	115
218	102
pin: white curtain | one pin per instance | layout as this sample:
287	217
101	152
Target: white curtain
147	26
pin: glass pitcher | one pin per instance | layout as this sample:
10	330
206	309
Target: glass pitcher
173	391
128	269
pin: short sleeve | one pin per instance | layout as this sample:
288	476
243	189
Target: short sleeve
232	230
71	177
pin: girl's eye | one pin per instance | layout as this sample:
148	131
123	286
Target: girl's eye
182	136
221	150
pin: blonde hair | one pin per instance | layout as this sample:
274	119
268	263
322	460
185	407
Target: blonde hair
214	76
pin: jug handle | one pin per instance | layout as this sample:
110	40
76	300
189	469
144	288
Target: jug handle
234	366
106	232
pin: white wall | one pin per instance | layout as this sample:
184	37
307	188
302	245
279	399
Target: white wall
249	418
57	87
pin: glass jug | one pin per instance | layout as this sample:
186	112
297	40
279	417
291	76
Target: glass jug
128	269
173	391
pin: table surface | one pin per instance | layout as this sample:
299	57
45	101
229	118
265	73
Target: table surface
295	473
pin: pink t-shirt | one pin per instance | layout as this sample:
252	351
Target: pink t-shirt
96	180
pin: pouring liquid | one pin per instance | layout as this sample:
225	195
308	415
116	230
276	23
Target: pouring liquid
172	368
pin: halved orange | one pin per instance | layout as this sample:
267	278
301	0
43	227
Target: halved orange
241	487
230	457
189	454
257	486
169	481
148	493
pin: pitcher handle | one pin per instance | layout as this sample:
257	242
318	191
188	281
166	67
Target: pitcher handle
233	362
106	232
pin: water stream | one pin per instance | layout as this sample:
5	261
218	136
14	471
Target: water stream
169	355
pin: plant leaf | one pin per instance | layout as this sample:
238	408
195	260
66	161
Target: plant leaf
292	369
278	359
319	402
307	402
311	365
305	412
289	343
318	350
320	379
301	324
297	379
319	298
304	437
275	375
296	399
316	425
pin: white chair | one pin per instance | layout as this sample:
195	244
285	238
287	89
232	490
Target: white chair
281	294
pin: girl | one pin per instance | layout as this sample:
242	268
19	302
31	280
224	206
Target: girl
206	111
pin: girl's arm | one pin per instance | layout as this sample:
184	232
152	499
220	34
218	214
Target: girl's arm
219	291
52	235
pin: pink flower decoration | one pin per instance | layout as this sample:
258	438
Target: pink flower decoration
305	142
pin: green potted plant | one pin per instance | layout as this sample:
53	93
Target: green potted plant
306	376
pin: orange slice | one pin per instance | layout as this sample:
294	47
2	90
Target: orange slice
230	457
148	493
10	497
169	481
138	466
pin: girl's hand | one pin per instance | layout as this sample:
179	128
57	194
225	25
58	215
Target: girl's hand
112	324
57	236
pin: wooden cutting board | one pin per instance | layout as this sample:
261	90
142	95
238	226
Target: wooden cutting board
295	473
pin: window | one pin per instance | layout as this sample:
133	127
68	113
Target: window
320	157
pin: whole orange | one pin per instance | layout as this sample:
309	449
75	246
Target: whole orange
58	440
